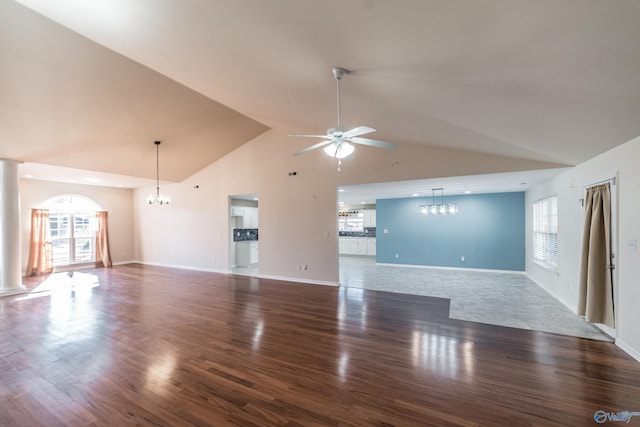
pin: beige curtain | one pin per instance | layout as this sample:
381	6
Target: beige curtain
596	288
40	253
103	256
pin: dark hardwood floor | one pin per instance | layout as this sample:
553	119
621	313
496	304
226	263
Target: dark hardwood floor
140	345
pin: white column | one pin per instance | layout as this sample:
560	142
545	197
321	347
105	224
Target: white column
10	250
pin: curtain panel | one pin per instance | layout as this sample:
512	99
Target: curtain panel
103	255
40	250
596	285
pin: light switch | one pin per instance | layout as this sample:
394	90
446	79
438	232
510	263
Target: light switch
633	244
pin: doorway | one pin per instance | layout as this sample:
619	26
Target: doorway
244	248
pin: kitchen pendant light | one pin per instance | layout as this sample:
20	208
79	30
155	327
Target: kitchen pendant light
438	209
160	199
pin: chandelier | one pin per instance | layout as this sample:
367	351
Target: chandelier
438	209
160	199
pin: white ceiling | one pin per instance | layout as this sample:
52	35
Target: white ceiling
548	80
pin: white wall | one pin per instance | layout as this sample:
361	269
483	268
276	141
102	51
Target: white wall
569	186
298	223
115	200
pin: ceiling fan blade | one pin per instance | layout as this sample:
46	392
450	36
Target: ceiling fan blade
374	143
313	147
307	136
360	130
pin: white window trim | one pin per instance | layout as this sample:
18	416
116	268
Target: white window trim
547	261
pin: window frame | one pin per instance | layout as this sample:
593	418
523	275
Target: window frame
70	208
545	249
71	238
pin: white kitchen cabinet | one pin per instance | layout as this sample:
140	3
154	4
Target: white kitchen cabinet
342	246
246	253
371	246
369	218
237	211
352	246
249	218
254	218
362	245
243	254
357	246
253	252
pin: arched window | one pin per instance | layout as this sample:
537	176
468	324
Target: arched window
73	229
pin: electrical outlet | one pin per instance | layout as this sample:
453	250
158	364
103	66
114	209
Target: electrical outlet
461	259
397	256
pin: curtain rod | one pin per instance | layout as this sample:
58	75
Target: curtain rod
612	180
604	181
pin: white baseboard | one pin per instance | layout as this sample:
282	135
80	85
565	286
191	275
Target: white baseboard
124	262
298	280
628	349
571	307
261	276
620	343
181	267
436	267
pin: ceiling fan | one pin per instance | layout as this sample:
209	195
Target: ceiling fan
338	141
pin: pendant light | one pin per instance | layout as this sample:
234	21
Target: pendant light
438	209
160	199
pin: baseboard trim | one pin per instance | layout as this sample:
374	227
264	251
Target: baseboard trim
628	349
260	276
617	341
298	280
571	307
181	267
125	262
437	267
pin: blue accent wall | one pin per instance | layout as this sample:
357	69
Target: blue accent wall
488	230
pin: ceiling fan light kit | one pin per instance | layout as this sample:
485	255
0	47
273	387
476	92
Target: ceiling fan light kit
338	141
339	151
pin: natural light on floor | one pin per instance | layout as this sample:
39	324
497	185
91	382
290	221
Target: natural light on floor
64	282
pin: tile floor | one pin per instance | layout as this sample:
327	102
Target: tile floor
506	299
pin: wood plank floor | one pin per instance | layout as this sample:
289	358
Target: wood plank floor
141	345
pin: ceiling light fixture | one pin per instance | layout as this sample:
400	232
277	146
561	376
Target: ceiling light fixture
438	209
339	150
158	198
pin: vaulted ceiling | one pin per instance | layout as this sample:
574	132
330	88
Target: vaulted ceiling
91	85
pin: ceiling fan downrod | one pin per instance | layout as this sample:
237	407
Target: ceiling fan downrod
339	73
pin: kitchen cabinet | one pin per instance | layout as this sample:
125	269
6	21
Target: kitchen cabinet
357	246
361	246
253	252
249	218
371	247
246	253
352	246
369	218
343	245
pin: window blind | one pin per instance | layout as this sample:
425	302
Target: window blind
545	231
